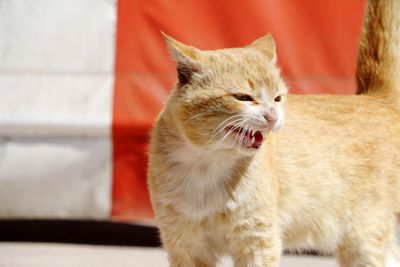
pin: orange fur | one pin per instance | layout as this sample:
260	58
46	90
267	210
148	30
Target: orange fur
328	180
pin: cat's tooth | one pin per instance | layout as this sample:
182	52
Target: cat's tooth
253	139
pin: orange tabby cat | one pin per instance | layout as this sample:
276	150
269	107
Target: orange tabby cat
225	179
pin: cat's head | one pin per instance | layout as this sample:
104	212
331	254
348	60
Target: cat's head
228	98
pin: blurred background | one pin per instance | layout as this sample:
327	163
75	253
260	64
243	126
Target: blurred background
81	82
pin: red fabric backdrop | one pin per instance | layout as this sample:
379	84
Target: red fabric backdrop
316	43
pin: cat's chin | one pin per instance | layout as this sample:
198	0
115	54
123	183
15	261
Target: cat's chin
248	139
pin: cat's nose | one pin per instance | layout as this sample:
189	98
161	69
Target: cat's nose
270	116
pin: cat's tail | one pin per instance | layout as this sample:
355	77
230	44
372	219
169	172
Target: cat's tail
378	63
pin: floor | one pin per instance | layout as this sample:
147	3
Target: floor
70	255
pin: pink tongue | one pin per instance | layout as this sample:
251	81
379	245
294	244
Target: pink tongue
258	138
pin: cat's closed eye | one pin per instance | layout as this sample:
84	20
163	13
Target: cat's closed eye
243	97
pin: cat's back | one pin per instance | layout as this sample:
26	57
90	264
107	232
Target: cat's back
336	155
342	108
355	133
340	118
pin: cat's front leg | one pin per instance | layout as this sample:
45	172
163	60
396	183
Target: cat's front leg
185	241
189	250
186	259
257	252
257	248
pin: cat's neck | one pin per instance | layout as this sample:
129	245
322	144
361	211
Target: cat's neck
201	179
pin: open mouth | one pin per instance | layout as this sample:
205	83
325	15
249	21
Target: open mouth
249	139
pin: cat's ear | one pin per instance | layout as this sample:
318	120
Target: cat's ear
266	44
186	58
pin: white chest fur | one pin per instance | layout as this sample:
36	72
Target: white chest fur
197	181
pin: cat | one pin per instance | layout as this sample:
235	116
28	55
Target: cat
239	167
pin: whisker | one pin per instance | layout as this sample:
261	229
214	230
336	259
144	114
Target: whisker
237	125
222	128
242	135
239	145
231	117
209	141
195	116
